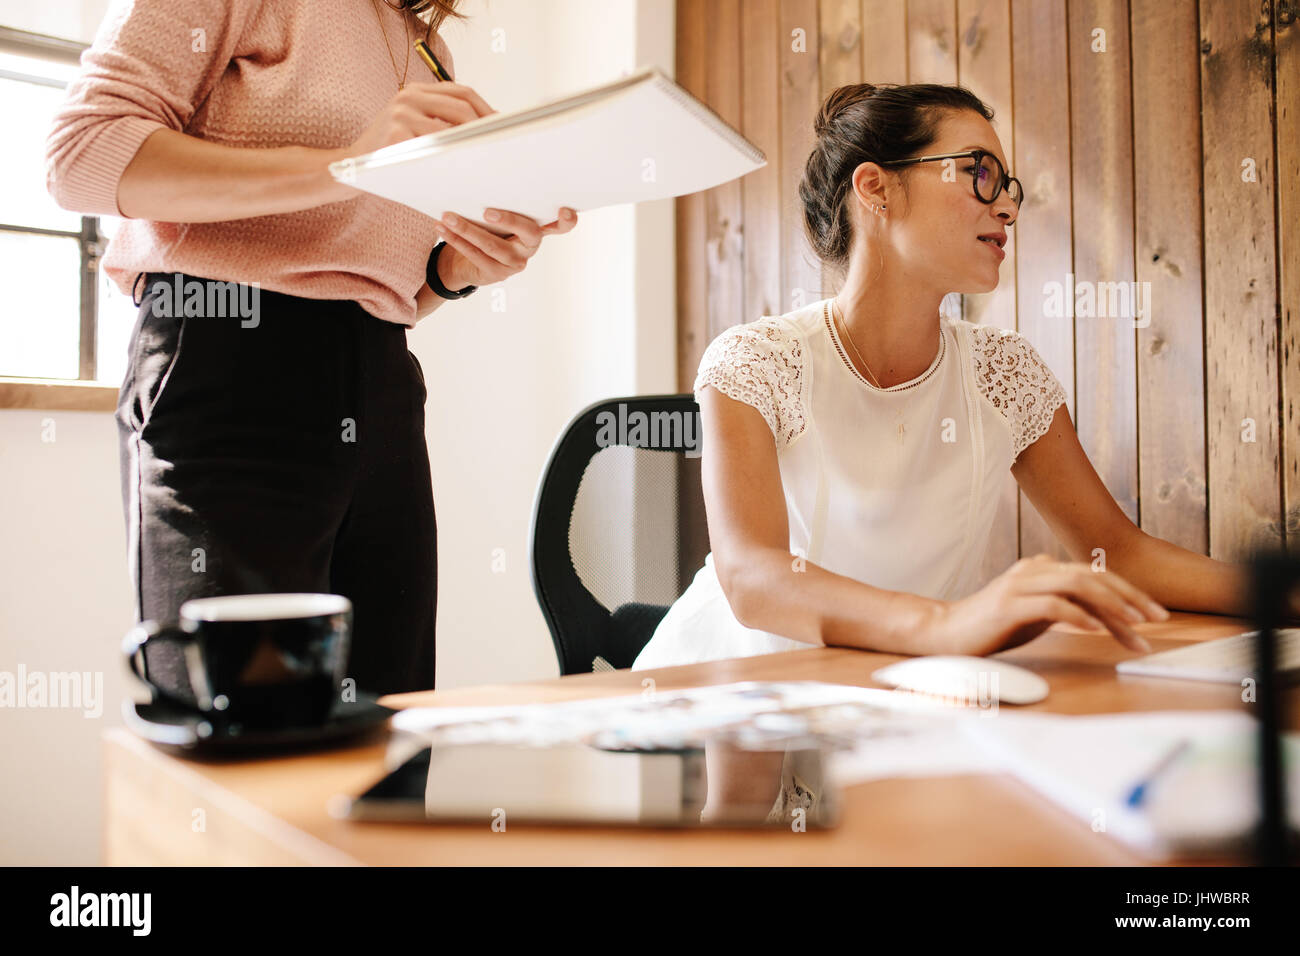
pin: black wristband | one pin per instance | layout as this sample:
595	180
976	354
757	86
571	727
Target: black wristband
431	277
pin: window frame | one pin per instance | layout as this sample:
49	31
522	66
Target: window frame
83	393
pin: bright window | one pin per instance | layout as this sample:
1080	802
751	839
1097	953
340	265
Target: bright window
60	317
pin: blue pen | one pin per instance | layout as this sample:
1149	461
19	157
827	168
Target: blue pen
1139	791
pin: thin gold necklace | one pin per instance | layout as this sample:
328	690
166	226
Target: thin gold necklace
835	312
406	28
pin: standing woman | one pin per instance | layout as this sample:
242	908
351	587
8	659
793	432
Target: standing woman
281	450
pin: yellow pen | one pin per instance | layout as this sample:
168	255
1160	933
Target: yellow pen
427	56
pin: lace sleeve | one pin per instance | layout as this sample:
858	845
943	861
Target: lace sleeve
761	364
1014	377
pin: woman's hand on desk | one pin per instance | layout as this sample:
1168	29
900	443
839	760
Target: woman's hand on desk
1031	596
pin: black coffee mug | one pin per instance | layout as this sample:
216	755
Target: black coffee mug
255	661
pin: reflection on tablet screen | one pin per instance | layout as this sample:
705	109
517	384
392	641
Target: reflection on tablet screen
719	784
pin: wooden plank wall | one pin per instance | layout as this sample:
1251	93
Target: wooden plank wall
1159	144
1044	247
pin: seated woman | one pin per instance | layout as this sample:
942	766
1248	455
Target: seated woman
853	447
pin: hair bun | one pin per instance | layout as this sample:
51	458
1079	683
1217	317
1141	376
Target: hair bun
840	99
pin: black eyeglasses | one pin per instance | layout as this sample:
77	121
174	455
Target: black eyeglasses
987	175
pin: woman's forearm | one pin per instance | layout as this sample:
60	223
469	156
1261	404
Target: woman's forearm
174	177
1183	580
178	178
426	301
783	594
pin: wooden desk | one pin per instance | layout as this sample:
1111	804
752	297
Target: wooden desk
274	810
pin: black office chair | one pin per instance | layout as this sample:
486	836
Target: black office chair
618	527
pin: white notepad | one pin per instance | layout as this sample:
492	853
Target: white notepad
638	138
1206	803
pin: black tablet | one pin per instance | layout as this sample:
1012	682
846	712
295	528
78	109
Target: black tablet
495	784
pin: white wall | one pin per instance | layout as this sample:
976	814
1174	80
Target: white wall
65	602
579	325
592	317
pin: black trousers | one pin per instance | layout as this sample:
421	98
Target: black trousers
275	452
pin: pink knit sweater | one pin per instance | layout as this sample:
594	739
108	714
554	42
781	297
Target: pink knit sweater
251	74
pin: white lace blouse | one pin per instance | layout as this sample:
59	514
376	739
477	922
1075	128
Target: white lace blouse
894	487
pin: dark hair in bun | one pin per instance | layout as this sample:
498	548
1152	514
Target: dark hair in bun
864	123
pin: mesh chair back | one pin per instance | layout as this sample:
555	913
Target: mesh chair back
618	527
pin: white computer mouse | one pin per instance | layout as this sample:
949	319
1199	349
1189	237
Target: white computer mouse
978	681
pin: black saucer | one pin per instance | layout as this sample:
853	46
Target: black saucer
177	729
